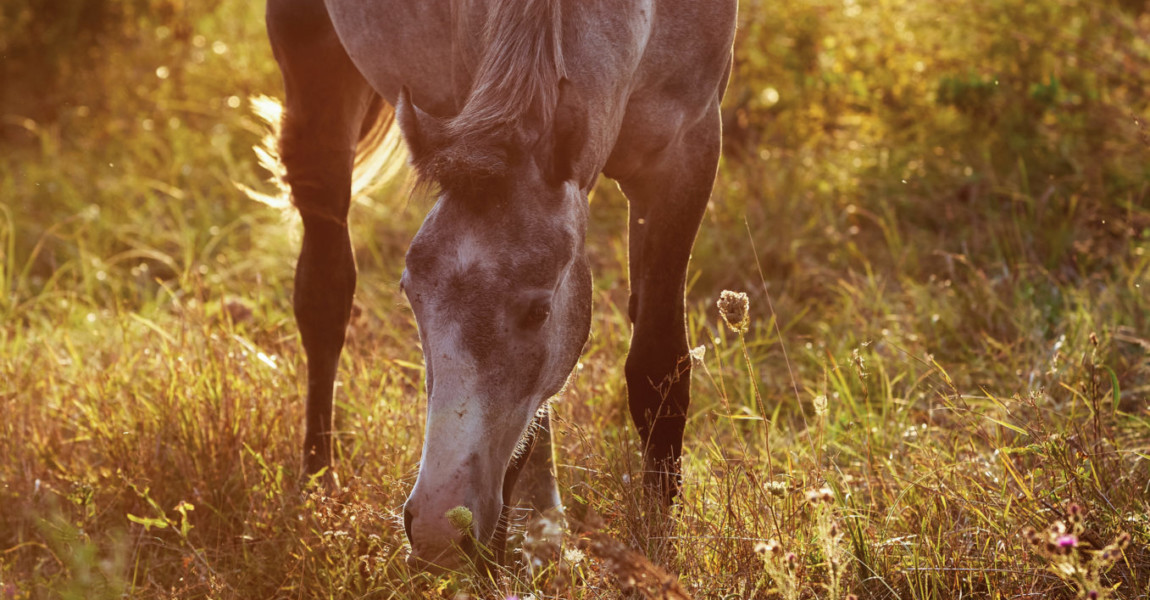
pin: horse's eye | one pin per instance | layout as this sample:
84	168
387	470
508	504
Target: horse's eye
535	313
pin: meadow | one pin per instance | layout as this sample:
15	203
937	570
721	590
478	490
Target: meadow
940	212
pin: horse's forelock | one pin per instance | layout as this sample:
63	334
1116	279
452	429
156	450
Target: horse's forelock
467	164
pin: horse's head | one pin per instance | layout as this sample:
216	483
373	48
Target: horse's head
501	289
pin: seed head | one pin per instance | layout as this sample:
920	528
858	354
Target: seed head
460	518
823	494
776	488
697	353
735	309
820	405
792	560
769	547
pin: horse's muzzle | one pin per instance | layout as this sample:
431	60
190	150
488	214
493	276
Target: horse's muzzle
437	545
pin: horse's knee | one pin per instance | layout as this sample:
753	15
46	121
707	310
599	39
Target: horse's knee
658	390
325	279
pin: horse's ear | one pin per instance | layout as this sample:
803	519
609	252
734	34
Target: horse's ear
423	132
569	133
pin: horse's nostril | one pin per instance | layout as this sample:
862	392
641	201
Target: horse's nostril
407	523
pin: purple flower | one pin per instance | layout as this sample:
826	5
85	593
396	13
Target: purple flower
1067	541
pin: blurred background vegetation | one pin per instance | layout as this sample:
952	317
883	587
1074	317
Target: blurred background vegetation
924	184
899	135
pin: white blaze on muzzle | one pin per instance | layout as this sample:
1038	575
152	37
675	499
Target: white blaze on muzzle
466	450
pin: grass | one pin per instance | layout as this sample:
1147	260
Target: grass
942	359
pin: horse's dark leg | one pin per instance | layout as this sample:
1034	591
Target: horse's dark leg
327	100
667	202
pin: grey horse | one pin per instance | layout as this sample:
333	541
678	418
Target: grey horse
511	109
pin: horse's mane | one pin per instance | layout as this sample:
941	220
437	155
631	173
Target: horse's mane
514	90
518	73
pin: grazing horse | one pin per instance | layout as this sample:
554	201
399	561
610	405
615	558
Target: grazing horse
511	109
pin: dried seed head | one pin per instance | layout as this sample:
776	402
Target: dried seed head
776	488
823	494
820	405
697	353
792	560
735	308
459	517
1074	513
1122	541
768	547
1031	536
1092	594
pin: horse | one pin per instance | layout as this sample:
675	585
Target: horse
510	110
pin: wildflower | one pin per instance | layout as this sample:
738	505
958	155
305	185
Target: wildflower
574	555
1066	543
792	560
776	488
734	307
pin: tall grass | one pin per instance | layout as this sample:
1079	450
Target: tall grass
939	218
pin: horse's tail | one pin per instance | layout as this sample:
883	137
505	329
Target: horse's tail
379	153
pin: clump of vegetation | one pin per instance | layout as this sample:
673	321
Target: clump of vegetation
1062	544
939	219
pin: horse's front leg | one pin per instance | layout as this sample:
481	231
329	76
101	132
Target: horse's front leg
667	201
326	102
